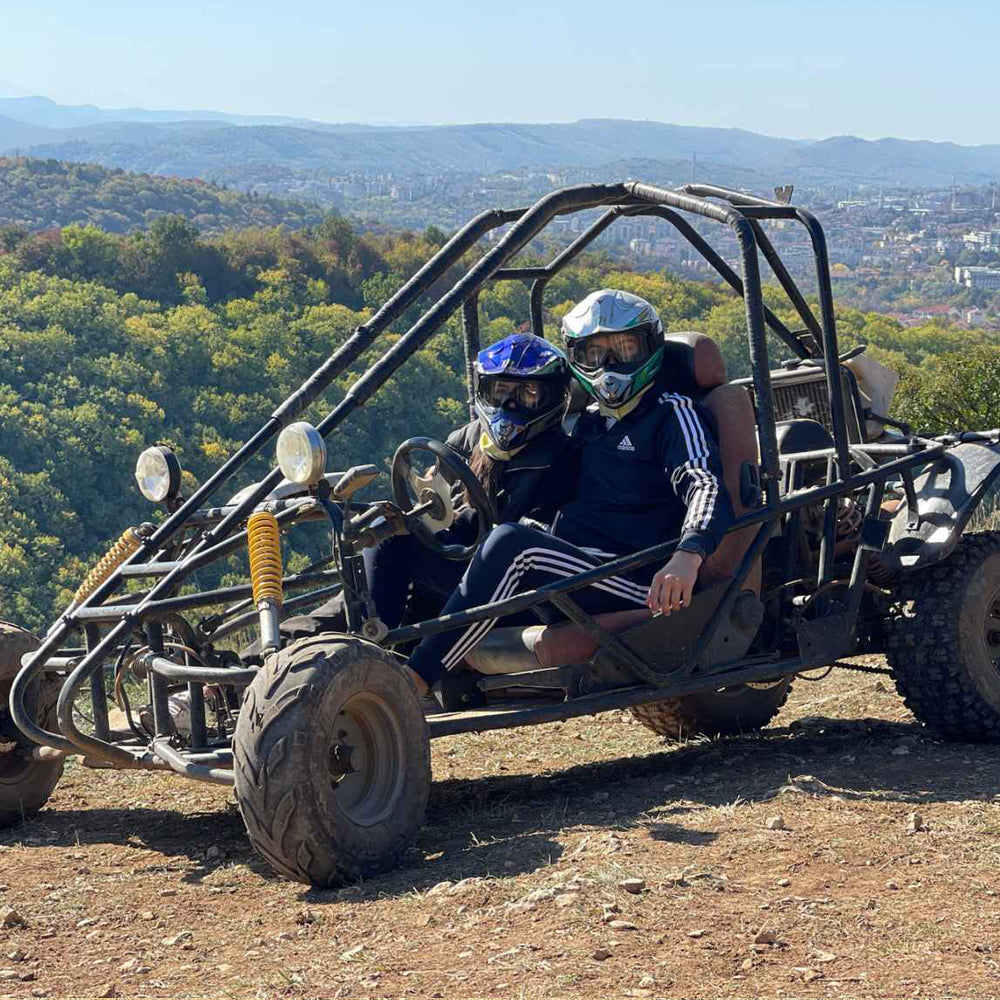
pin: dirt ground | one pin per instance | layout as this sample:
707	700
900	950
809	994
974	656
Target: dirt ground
144	885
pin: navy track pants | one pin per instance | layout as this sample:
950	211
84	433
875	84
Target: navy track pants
398	564
513	559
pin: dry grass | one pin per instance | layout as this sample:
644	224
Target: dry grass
986	517
855	905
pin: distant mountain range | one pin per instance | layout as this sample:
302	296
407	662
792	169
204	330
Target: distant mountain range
44	111
235	148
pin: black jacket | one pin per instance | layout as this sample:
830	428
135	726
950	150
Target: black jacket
537	481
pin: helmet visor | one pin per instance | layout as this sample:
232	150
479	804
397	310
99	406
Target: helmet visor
527	394
621	347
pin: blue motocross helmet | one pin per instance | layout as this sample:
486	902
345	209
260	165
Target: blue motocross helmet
522	387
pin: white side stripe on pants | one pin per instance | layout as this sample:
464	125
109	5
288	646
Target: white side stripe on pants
551	561
548	560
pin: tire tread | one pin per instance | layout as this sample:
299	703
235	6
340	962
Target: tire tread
269	784
678	718
924	646
22	799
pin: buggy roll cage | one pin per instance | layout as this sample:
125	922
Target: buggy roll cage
820	640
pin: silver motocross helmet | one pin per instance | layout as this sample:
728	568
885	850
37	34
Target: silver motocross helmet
614	344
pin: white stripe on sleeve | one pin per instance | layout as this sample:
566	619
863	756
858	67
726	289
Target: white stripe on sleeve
693	481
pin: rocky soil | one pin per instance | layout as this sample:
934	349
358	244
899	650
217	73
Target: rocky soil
841	853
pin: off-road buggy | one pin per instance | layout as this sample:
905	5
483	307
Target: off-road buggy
849	539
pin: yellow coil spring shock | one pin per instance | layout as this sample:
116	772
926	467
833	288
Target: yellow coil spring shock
264	546
265	557
112	559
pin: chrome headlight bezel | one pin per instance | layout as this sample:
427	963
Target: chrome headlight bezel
301	453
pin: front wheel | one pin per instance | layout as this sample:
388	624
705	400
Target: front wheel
943	641
25	783
332	760
731	711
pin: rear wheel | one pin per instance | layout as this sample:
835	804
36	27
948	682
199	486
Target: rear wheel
944	641
332	760
730	711
25	783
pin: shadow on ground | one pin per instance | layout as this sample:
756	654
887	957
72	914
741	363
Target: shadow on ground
861	758
502	826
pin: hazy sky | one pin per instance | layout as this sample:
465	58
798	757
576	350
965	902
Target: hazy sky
807	69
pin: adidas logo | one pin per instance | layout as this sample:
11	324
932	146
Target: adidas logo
625	444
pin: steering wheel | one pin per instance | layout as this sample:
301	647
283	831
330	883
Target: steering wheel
425	528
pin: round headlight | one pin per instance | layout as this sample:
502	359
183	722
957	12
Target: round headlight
158	474
301	453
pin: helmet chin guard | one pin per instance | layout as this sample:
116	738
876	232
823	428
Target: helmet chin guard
612	388
503	430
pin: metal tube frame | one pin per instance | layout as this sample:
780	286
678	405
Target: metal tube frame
625	564
470	331
741	213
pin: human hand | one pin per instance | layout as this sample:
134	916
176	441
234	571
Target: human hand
673	585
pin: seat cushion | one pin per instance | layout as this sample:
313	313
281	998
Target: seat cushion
737	427
694	362
516	648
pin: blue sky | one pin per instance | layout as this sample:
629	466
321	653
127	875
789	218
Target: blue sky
809	69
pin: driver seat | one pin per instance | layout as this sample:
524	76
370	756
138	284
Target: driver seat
700	372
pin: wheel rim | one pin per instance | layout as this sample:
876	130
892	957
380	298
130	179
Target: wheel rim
992	632
367	760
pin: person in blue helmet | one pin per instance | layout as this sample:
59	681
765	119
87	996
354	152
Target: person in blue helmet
649	472
517	449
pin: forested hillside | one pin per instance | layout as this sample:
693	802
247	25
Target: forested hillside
109	343
43	194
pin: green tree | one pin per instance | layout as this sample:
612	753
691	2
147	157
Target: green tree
110	341
955	391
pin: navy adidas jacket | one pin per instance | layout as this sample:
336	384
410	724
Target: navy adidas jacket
652	476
